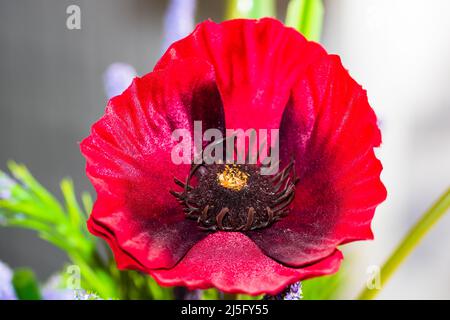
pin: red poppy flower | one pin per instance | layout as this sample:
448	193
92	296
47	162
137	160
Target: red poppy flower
237	74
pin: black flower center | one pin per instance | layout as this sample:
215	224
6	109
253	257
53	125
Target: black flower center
231	197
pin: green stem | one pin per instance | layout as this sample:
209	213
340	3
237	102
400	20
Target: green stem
412	239
307	17
250	9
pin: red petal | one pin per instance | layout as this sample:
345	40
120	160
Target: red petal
122	258
330	130
231	262
129	162
256	64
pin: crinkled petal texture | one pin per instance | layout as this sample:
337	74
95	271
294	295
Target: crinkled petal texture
257	63
239	74
129	162
230	261
330	130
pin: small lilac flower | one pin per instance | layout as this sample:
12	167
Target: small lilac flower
53	290
193	295
117	78
6	185
83	295
293	292
7	291
179	21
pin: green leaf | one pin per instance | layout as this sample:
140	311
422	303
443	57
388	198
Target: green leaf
307	17
29	205
95	279
26	285
250	9
158	292
210	294
323	288
27	224
86	199
410	242
21	173
27	209
76	216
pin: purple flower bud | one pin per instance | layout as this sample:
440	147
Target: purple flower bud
54	290
83	295
293	292
179	21
7	291
6	185
117	78
193	295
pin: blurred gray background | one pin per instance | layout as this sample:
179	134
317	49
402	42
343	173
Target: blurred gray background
51	91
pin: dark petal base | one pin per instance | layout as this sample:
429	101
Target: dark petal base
264	200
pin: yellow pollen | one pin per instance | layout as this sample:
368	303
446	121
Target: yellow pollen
232	178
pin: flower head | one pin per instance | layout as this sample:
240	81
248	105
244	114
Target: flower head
231	227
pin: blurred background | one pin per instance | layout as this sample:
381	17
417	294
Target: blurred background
51	91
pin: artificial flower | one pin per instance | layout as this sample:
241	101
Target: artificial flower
254	234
